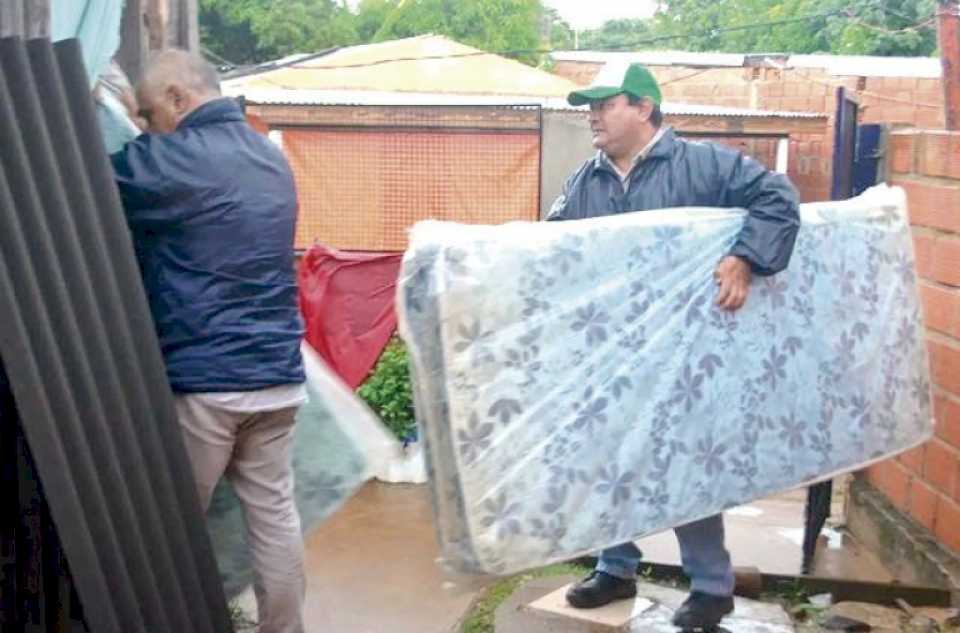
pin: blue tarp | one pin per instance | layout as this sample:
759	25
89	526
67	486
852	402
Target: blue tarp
96	23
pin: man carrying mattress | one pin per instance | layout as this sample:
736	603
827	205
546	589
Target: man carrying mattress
639	166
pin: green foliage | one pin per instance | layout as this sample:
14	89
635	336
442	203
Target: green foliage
492	25
618	34
248	31
863	27
388	392
556	31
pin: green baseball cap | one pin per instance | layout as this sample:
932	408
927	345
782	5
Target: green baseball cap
614	79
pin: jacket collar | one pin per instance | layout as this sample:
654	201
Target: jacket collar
222	110
661	149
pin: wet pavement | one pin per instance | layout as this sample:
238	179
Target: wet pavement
372	567
768	535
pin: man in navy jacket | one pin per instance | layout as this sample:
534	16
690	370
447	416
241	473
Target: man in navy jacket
212	206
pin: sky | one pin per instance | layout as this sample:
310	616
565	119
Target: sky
588	14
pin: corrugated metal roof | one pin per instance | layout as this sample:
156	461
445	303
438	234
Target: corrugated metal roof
427	63
864	66
840	65
381	98
652	58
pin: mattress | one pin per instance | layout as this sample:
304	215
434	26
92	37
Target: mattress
576	387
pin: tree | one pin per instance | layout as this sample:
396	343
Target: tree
371	15
492	25
248	31
853	27
556	32
618	34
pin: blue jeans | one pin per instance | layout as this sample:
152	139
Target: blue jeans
705	558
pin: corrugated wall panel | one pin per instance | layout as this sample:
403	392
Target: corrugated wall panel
85	365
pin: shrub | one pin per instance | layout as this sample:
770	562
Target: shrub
388	392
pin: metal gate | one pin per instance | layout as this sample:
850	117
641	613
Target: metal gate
857	153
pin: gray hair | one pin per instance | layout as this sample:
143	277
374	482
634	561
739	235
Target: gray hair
176	66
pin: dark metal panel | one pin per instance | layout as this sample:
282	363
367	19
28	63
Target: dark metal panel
83	341
844	146
85	365
29	345
135	445
866	167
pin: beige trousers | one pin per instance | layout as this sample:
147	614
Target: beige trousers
254	451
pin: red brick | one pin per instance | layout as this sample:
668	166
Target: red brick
923	504
935	206
941	308
934	154
953	157
940	467
947	412
775	89
947	525
898	114
894	481
946	260
923	248
875	475
945	365
907	83
913	459
902	153
929	118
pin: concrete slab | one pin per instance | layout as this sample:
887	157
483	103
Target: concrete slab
768	534
514	616
651	612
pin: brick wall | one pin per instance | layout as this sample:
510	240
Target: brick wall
892	100
925	482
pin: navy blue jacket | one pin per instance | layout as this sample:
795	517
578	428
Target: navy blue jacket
213	210
681	173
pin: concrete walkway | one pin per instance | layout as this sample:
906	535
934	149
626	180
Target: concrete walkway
371	568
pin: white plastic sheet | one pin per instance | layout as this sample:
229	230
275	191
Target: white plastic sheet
577	387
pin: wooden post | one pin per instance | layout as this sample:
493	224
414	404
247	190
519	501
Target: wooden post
948	15
37	18
11	18
158	24
190	25
181	25
132	55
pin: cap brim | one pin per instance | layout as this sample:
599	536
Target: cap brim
598	93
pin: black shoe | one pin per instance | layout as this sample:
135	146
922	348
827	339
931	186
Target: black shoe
702	611
600	588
